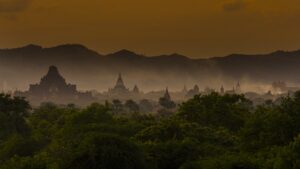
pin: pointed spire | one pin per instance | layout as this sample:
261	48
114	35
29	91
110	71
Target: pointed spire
120	81
53	70
136	89
184	90
167	94
222	90
238	87
196	88
53	77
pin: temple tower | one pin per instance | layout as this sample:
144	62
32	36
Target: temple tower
167	94
136	89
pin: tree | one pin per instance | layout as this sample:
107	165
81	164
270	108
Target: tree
95	113
117	106
215	110
132	106
289	156
17	145
13	111
24	163
272	125
146	106
265	128
174	142
97	151
230	161
167	103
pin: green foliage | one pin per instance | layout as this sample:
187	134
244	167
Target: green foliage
167	103
267	127
24	163
214	110
97	151
117	106
47	120
272	125
13	112
18	145
206	132
231	161
145	106
171	154
289	156
132	106
94	113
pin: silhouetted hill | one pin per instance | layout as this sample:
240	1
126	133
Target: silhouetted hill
90	70
279	65
64	55
124	54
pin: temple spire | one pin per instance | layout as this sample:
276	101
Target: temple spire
238	87
53	69
167	94
184	90
136	89
120	82
222	90
120	86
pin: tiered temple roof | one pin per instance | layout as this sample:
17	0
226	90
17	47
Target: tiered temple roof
53	88
120	87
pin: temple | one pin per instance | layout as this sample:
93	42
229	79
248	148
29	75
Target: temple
121	92
222	90
120	88
53	88
167	95
192	92
136	90
52	85
238	88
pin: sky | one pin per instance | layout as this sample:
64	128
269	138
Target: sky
195	28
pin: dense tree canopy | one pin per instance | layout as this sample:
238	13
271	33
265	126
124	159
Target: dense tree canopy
13	112
206	132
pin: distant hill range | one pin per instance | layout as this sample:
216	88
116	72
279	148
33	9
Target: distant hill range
88	69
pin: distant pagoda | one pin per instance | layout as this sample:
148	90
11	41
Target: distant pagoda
121	92
238	88
52	84
120	87
222	90
53	88
136	90
167	94
192	92
184	90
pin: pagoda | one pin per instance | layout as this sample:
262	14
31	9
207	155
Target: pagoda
167	94
51	85
192	92
120	87
136	90
54	88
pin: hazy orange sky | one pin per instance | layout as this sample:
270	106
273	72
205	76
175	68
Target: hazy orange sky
196	28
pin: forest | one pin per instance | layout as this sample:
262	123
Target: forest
206	132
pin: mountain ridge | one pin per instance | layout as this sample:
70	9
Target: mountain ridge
92	70
128	53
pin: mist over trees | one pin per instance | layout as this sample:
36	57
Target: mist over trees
208	131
